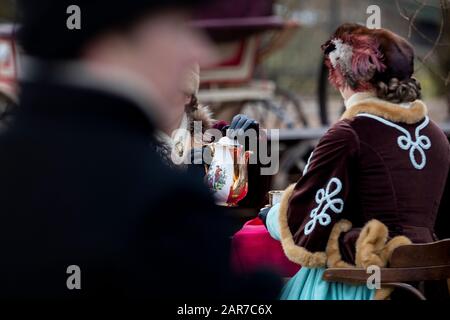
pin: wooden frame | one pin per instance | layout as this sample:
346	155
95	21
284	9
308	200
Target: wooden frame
410	263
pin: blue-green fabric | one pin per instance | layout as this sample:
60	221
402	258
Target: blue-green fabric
272	222
307	284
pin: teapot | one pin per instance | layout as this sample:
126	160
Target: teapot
227	175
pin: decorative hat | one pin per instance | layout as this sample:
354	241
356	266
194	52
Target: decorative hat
360	57
44	33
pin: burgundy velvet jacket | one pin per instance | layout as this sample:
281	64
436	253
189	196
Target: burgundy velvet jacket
380	161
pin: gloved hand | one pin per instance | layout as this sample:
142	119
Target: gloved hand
240	124
263	215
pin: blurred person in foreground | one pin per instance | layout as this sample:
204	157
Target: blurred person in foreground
8	105
81	187
8	72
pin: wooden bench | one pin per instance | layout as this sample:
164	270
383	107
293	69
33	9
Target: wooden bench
411	263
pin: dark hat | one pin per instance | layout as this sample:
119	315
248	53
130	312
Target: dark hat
44	32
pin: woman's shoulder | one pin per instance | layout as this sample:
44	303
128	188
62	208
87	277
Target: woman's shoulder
343	133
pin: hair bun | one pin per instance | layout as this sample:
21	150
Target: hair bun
397	91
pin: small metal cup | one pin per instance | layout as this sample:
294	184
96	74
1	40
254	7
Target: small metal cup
275	197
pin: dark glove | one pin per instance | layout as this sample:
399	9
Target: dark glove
240	124
263	215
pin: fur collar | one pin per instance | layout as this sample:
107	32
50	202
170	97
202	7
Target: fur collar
203	114
171	147
410	114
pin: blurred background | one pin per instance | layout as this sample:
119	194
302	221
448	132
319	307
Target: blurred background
6	10
284	83
276	75
425	23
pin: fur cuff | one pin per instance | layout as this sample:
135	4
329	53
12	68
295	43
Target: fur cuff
334	258
372	248
294	252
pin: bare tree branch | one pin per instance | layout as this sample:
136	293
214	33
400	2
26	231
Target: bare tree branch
403	13
436	42
441	31
414	17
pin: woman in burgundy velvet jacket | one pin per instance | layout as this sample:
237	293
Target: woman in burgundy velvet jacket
378	174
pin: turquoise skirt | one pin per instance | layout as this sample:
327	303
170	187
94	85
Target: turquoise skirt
308	284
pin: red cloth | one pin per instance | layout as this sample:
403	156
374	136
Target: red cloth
219	125
253	248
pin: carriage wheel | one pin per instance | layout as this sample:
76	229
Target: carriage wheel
292	164
284	111
323	94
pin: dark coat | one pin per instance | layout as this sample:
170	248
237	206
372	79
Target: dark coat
80	185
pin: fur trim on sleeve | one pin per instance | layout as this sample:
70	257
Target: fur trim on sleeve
294	252
372	248
372	245
334	257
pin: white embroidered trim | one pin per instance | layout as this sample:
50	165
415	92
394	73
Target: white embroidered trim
325	196
305	170
405	141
